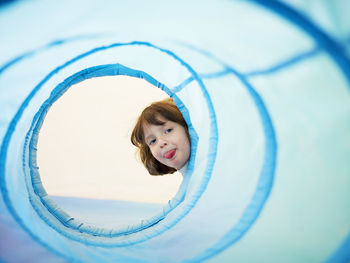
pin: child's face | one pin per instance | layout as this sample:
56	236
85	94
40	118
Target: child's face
168	143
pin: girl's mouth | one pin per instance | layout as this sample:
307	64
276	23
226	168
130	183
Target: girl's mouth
170	154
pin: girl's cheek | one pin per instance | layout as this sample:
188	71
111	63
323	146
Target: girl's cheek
154	154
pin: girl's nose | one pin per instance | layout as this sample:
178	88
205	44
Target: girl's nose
163	143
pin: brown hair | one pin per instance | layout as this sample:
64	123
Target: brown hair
168	110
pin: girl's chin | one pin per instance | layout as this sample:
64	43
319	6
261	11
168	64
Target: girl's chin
172	165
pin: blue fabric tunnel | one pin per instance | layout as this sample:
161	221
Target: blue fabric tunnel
264	88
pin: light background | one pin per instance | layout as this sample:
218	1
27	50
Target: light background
84	147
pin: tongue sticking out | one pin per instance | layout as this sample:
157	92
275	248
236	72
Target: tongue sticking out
170	154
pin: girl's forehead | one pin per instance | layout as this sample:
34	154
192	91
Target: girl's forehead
150	128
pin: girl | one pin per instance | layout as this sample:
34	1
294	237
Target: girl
162	138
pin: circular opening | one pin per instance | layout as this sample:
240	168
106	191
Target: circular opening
84	149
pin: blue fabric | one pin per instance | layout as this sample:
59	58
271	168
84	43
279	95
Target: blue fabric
266	99
342	254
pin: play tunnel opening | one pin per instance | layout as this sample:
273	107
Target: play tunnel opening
84	153
297	176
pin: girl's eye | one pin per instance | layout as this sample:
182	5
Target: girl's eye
168	130
152	142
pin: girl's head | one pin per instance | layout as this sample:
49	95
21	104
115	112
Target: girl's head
162	137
